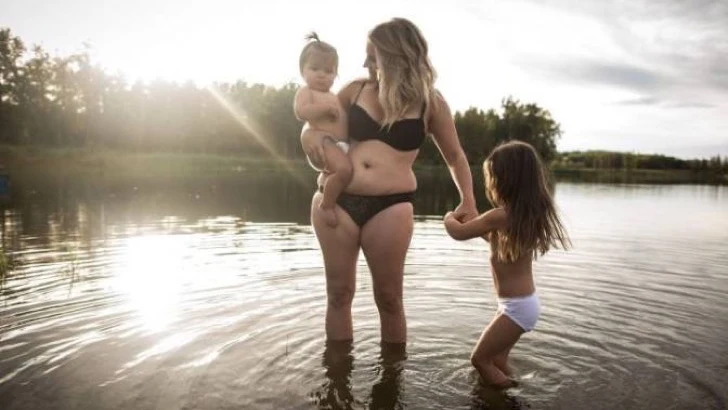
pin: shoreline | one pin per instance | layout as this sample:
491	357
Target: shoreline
31	159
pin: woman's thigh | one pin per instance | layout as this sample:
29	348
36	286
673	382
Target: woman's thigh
385	239
339	246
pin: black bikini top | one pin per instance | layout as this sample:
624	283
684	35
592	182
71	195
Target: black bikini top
406	134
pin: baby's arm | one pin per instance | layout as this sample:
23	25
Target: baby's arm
307	110
485	223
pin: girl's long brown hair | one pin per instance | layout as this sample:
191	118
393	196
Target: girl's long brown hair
515	179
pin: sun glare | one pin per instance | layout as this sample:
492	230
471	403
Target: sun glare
150	271
158	61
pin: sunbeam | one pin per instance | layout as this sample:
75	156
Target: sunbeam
255	130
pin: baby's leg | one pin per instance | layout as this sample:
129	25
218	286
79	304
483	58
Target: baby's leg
501	334
340	171
314	137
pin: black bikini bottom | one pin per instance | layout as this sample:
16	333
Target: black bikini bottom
362	208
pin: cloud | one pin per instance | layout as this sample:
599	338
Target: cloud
689	104
654	101
622	75
669	51
640	101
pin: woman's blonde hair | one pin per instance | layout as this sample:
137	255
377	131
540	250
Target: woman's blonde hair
515	179
406	76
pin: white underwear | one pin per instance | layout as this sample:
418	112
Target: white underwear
343	145
524	311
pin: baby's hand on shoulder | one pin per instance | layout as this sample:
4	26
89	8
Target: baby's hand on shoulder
333	112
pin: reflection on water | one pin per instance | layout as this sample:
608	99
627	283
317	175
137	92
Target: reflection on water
208	292
336	391
387	392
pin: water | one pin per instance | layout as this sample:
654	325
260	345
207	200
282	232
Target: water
208	293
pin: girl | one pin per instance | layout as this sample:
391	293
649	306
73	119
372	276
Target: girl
522	225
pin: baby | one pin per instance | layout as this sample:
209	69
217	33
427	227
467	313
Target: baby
325	120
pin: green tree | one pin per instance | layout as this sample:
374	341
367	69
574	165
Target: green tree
481	131
12	50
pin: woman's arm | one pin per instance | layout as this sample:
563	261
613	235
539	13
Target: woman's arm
442	128
478	227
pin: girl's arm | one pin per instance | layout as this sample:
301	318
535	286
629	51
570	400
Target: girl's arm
442	128
306	109
483	224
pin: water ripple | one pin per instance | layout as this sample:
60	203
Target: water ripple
223	312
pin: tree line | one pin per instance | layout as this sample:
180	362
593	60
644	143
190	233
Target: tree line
629	161
70	101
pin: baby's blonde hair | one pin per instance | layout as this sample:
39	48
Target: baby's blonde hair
315	48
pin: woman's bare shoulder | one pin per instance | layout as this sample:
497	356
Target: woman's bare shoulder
349	90
353	85
439	103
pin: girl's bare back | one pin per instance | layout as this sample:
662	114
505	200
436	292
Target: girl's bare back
512	279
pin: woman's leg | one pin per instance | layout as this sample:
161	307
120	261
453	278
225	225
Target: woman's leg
385	239
340	249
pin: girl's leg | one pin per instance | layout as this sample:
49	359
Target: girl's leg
501	361
340	248
385	239
500	335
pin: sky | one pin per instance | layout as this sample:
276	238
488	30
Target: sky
647	76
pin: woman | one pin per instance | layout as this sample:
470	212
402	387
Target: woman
389	116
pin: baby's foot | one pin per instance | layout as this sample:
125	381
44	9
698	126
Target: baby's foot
329	216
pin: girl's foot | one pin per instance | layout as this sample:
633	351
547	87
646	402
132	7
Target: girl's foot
504	367
495	377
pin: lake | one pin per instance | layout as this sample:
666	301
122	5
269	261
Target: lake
207	292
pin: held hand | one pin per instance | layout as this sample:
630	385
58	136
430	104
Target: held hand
450	222
465	212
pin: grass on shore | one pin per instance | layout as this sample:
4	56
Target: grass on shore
176	164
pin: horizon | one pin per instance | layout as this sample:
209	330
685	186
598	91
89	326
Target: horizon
624	78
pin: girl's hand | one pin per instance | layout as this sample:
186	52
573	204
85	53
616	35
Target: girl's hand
465	212
451	223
